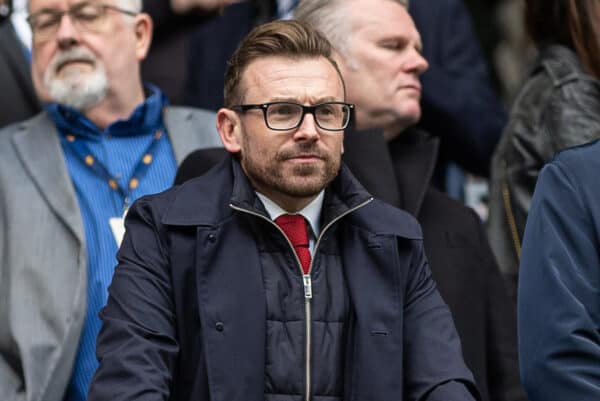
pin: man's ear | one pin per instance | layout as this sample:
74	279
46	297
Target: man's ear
229	126
143	35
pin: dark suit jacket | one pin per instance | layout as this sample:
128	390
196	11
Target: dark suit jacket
455	243
459	254
18	100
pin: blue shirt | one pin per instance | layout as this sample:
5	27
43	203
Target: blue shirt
119	148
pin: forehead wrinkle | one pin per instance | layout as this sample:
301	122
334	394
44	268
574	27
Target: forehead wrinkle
267	84
284	93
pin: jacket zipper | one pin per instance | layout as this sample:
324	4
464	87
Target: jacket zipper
306	279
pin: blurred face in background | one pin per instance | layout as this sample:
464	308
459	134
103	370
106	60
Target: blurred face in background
382	65
89	54
5	9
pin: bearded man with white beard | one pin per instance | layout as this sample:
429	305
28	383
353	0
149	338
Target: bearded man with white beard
67	176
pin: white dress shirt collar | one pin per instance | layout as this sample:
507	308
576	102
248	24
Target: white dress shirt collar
312	211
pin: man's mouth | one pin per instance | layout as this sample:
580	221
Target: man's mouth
415	87
303	158
305	155
74	61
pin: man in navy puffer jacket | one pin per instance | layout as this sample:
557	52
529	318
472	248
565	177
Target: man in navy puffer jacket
276	276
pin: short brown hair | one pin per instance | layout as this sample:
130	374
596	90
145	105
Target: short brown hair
292	39
571	23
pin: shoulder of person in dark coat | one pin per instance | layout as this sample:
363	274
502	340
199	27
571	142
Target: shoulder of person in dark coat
199	162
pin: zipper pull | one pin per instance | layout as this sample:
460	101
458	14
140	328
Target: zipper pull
307	286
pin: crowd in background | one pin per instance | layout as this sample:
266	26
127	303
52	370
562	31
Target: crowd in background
505	85
488	45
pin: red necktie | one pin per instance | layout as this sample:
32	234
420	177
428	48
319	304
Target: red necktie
294	227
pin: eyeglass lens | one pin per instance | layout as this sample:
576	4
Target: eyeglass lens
87	16
329	116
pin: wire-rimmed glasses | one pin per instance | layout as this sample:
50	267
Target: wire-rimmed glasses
85	16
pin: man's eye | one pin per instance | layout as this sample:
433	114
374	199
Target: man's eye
284	110
87	12
326	110
391	45
45	21
86	15
45	24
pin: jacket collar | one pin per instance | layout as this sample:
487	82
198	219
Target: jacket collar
561	64
414	154
344	193
399	172
366	154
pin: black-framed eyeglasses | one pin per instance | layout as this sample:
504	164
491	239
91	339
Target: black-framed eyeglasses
87	16
285	116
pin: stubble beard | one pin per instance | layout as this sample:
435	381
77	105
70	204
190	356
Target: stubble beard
302	181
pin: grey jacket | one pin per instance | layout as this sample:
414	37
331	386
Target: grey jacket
43	257
558	107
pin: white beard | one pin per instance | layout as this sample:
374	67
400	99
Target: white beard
74	88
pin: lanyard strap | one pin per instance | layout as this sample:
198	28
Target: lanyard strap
83	153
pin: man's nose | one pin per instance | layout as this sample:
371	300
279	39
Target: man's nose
308	129
67	34
416	63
